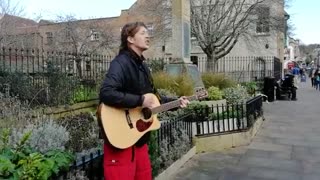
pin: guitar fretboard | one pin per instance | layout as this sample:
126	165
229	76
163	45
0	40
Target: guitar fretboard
170	105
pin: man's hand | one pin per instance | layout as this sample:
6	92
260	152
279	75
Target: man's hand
149	101
184	101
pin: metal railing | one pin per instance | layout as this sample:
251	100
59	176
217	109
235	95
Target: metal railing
213	120
230	118
56	78
172	131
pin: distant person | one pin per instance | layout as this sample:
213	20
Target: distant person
317	79
289	81
296	73
311	76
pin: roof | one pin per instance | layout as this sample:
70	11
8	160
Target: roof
47	22
19	21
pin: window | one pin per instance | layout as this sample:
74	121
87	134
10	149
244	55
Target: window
194	60
194	41
49	37
95	35
263	21
150	29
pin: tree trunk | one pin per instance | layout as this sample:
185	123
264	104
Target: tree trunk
78	65
212	63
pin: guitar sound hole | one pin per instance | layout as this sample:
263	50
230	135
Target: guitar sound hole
147	113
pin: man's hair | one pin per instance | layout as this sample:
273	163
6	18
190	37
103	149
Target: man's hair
129	29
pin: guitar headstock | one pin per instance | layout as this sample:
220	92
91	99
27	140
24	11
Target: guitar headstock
201	93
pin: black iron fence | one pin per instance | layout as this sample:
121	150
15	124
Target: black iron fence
174	138
51	78
254	110
240	69
173	128
88	167
36	61
54	78
228	118
277	69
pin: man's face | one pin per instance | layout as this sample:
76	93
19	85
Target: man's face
141	39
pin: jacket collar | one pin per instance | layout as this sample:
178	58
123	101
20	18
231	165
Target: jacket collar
133	55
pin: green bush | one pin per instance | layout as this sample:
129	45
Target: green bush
21	162
162	80
173	148
46	135
13	113
168	152
84	131
166	92
154	153
53	87
251	87
216	80
231	113
236	95
198	109
214	93
21	85
83	93
60	85
156	65
180	85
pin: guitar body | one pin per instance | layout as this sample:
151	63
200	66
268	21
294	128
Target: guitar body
124	127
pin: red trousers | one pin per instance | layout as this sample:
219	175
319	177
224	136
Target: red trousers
126	164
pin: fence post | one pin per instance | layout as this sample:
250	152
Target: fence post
7	90
248	112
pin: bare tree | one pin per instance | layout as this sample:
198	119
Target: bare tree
309	52
290	27
218	24
9	23
7	7
83	38
160	14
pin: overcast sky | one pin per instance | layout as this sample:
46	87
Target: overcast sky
82	9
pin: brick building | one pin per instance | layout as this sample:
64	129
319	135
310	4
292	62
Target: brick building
102	35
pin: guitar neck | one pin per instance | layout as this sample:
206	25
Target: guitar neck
170	105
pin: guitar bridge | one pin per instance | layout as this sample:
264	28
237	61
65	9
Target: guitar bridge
128	119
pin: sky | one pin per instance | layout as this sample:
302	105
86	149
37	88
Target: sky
82	9
303	13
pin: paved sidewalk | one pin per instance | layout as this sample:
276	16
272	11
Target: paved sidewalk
287	147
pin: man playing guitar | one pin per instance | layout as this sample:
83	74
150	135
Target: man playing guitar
126	85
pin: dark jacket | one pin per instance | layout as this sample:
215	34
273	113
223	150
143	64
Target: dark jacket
127	79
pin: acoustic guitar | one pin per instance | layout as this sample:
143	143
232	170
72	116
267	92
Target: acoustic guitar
124	127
